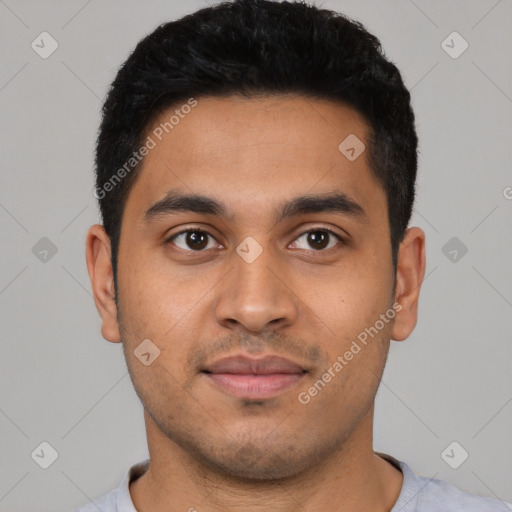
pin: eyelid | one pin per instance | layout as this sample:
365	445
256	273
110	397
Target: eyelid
322	228
341	238
188	229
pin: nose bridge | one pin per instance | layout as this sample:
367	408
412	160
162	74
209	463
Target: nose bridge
254	293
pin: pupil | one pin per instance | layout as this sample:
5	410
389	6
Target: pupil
197	240
318	239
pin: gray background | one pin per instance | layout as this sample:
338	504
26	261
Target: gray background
60	382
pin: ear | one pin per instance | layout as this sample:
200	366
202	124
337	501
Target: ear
409	276
99	266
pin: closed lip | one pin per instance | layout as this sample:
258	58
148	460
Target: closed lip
244	365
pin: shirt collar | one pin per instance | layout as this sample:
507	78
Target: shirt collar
124	500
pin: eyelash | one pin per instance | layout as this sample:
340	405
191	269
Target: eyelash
199	230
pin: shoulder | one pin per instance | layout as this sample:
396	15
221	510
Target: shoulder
105	503
446	497
118	500
422	494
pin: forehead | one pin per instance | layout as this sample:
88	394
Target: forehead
246	151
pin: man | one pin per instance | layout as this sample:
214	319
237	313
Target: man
255	168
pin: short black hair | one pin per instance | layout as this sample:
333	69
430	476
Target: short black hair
251	48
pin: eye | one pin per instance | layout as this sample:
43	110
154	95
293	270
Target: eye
192	239
198	240
319	239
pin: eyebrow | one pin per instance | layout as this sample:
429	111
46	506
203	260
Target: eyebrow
336	202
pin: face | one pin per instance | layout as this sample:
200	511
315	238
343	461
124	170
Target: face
255	270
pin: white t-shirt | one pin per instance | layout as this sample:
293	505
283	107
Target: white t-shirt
418	494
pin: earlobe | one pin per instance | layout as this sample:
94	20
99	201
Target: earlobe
99	266
409	276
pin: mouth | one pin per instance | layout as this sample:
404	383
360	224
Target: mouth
251	378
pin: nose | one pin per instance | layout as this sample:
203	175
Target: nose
256	296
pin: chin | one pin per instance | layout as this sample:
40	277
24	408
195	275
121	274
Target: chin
258	461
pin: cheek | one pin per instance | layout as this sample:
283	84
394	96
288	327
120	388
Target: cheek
351	306
152	302
171	312
350	299
347	387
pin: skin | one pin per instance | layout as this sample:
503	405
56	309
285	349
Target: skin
208	449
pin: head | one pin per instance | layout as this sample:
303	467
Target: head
248	104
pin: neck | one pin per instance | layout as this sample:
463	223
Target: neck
353	478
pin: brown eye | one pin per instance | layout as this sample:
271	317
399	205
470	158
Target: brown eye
318	239
195	240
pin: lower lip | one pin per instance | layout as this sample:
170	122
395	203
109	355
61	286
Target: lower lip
254	386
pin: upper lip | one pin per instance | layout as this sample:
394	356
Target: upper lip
242	364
